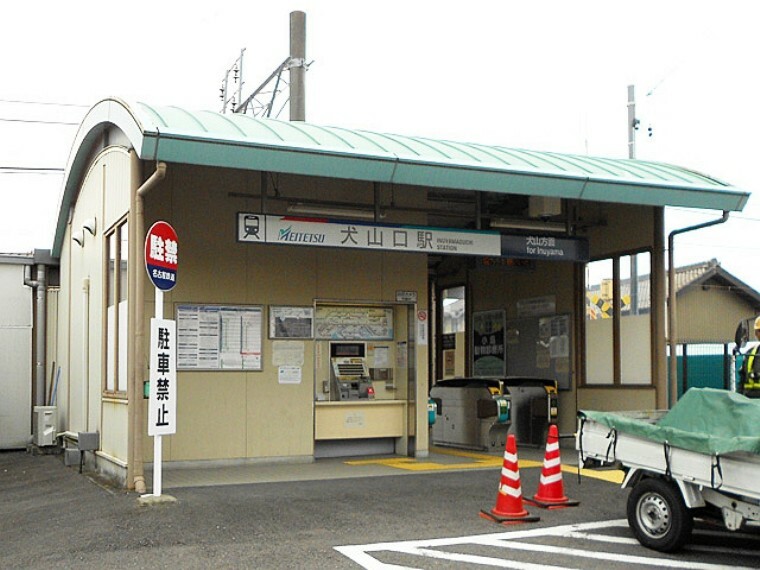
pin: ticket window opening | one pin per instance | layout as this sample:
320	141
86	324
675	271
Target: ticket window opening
349	373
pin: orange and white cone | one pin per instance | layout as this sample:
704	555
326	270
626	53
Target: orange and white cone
509	508
551	492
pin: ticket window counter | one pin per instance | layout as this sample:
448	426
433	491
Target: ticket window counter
362	393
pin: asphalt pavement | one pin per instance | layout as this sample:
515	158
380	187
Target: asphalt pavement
53	517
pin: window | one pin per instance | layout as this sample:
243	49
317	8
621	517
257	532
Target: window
117	247
618	321
453	310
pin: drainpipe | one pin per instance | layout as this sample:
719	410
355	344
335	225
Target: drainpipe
40	285
86	354
672	328
139	371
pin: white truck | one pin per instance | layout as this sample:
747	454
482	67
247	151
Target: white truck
700	460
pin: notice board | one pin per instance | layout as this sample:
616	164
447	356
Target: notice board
219	337
540	347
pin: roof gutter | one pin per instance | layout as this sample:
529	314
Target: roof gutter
672	325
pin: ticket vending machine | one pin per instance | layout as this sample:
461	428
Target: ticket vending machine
349	373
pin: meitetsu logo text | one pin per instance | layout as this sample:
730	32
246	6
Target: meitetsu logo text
287	234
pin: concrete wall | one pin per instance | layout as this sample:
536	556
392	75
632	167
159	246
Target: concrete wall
15	358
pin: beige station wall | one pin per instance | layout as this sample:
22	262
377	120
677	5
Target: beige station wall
249	415
80	336
617	229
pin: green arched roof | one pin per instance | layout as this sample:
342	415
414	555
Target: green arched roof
176	135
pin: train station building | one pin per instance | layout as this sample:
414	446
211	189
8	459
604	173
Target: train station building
328	277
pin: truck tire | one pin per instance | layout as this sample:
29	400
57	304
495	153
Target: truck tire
658	515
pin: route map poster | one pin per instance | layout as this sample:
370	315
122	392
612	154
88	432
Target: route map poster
335	322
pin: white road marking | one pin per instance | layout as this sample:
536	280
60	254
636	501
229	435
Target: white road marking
363	554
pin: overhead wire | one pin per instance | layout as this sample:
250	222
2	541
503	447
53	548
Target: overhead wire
38	121
50	103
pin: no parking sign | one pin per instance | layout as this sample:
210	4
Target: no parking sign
161	255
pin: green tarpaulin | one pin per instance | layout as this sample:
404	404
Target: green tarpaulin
704	420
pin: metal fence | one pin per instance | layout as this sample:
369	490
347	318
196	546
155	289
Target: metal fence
704	366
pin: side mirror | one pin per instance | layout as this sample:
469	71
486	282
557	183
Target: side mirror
742	335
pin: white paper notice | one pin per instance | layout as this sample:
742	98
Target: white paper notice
382	357
288	353
289	375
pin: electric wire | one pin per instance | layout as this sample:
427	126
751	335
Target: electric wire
38	121
46	103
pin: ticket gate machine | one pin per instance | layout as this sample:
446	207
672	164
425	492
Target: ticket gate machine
473	413
349	374
470	412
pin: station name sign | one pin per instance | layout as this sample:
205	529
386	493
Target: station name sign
322	232
548	248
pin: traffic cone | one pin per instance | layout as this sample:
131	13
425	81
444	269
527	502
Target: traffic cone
509	508
551	493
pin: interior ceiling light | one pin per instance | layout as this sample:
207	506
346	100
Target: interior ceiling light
528	225
332	211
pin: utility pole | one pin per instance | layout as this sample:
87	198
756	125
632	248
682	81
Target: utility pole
633	126
297	66
261	101
237	78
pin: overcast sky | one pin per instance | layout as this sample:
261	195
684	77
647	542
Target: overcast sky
538	75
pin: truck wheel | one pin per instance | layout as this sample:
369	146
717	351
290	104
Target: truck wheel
658	515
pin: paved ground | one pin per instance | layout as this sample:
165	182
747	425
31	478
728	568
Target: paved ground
52	517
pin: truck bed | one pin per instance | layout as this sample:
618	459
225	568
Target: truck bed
737	472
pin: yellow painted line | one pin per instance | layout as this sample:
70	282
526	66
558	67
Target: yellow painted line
463	453
480	461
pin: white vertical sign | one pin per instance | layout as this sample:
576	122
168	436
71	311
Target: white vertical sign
162	405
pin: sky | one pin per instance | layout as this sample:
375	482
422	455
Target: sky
541	75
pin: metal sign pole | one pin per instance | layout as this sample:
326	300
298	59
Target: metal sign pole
157	444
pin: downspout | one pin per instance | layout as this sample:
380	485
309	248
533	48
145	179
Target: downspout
86	354
139	373
672	325
40	284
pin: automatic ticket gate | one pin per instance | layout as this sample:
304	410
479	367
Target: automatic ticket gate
478	413
470	412
534	407
349	374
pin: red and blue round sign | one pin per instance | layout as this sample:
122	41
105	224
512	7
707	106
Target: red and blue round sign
161	246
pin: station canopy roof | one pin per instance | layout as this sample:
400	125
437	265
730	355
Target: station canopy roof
175	135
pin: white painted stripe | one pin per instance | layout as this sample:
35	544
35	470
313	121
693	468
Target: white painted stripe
689	547
551	479
486	538
608	556
363	559
361	553
511	491
511	457
511	475
480	560
552	447
601	537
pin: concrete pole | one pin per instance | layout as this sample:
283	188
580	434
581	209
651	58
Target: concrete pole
297	66
632	123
